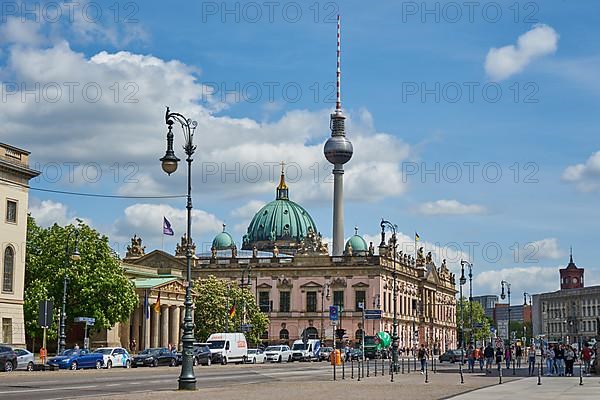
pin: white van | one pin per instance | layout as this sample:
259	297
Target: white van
231	347
309	351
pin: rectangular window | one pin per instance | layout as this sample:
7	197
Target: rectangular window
264	302
311	301
7	330
11	211
361	296
385	302
338	298
284	301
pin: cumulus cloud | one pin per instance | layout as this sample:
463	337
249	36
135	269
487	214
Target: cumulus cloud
533	280
542	249
585	176
449	207
48	212
501	63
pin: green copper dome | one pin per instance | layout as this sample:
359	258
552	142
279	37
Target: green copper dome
223	241
359	245
280	223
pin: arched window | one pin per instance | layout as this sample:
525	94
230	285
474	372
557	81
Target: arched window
284	334
7	276
358	334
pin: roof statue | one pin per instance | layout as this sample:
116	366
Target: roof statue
135	249
181	248
312	244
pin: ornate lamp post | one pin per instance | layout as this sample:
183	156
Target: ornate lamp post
503	296
387	224
461	282
69	256
187	380
470	265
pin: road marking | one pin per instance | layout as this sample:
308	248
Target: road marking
50	389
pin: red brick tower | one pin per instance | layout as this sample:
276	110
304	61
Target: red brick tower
571	277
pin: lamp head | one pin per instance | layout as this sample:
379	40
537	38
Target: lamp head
170	160
75	256
502	295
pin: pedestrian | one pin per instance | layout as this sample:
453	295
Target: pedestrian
586	357
518	355
498	358
550	361
531	359
559	360
76	346
132	346
507	357
569	361
422	355
480	358
488	353
471	358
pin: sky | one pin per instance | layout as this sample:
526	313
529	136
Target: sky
473	123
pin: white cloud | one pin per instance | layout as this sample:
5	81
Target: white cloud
542	249
501	63
585	176
449	207
47	213
522	279
16	31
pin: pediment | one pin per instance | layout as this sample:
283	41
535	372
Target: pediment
264	285
432	274
158	259
360	285
176	287
311	285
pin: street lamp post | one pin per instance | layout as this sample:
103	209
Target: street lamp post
324	295
387	224
503	296
461	282
69	256
187	380
245	285
470	265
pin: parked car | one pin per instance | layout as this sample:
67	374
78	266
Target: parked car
230	347
8	358
153	357
278	353
25	359
202	355
325	353
356	354
453	356
308	351
256	356
77	359
115	357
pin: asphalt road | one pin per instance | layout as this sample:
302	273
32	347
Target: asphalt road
91	383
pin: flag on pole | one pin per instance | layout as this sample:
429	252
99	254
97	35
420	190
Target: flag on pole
417	238
157	304
232	310
146	305
167	230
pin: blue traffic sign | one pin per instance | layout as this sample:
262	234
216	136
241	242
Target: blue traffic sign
333	313
372	314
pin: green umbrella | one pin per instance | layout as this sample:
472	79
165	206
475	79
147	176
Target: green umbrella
385	340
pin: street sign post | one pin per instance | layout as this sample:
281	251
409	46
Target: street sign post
88	322
44	319
372	314
333	313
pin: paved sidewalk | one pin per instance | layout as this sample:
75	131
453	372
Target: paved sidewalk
528	389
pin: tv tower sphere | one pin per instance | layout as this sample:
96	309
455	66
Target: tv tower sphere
338	150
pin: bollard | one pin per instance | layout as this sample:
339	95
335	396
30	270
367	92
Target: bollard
391	371
376	366
426	375
434	366
514	372
580	374
500	374
358	369
368	362
408	364
351	368
334	368
540	373
343	369
363	367
402	363
462	378
415	363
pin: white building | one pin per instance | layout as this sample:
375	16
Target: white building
14	190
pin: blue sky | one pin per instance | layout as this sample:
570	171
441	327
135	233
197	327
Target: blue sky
515	93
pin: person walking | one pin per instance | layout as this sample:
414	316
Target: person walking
480	358
518	355
488	353
498	358
569	361
507	356
471	358
586	357
132	346
559	360
531	359
422	355
550	361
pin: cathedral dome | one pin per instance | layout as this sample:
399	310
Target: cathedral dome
359	245
223	241
280	223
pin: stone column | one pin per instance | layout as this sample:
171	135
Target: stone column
136	326
175	320
164	331
154	330
125	328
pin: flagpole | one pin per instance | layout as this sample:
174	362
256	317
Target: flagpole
162	236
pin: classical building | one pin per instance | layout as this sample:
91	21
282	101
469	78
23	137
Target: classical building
14	194
295	280
571	314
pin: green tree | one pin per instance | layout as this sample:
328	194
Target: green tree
478	317
97	286
212	298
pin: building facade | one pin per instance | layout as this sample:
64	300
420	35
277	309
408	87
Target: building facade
488	302
571	314
14	195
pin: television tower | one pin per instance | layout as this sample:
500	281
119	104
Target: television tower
338	151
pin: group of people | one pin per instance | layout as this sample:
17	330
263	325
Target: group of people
559	358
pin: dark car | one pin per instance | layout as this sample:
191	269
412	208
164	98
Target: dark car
453	356
8	359
356	354
154	357
76	359
202	355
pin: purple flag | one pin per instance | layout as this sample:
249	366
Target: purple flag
167	230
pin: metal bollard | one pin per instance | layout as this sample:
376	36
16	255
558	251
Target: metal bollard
415	363
334	367
358	369
363	368
426	375
375	366
408	365
514	372
580	374
368	362
402	363
343	369
391	371
500	374
351	368
462	378
540	373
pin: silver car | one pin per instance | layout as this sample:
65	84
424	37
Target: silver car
25	359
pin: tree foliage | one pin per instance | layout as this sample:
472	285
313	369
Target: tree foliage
478	316
97	286
213	296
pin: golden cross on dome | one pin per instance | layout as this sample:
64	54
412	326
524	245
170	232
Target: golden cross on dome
282	166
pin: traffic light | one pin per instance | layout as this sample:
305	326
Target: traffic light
339	333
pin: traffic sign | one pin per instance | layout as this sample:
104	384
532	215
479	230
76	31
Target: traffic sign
333	313
372	314
87	320
45	313
478	325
